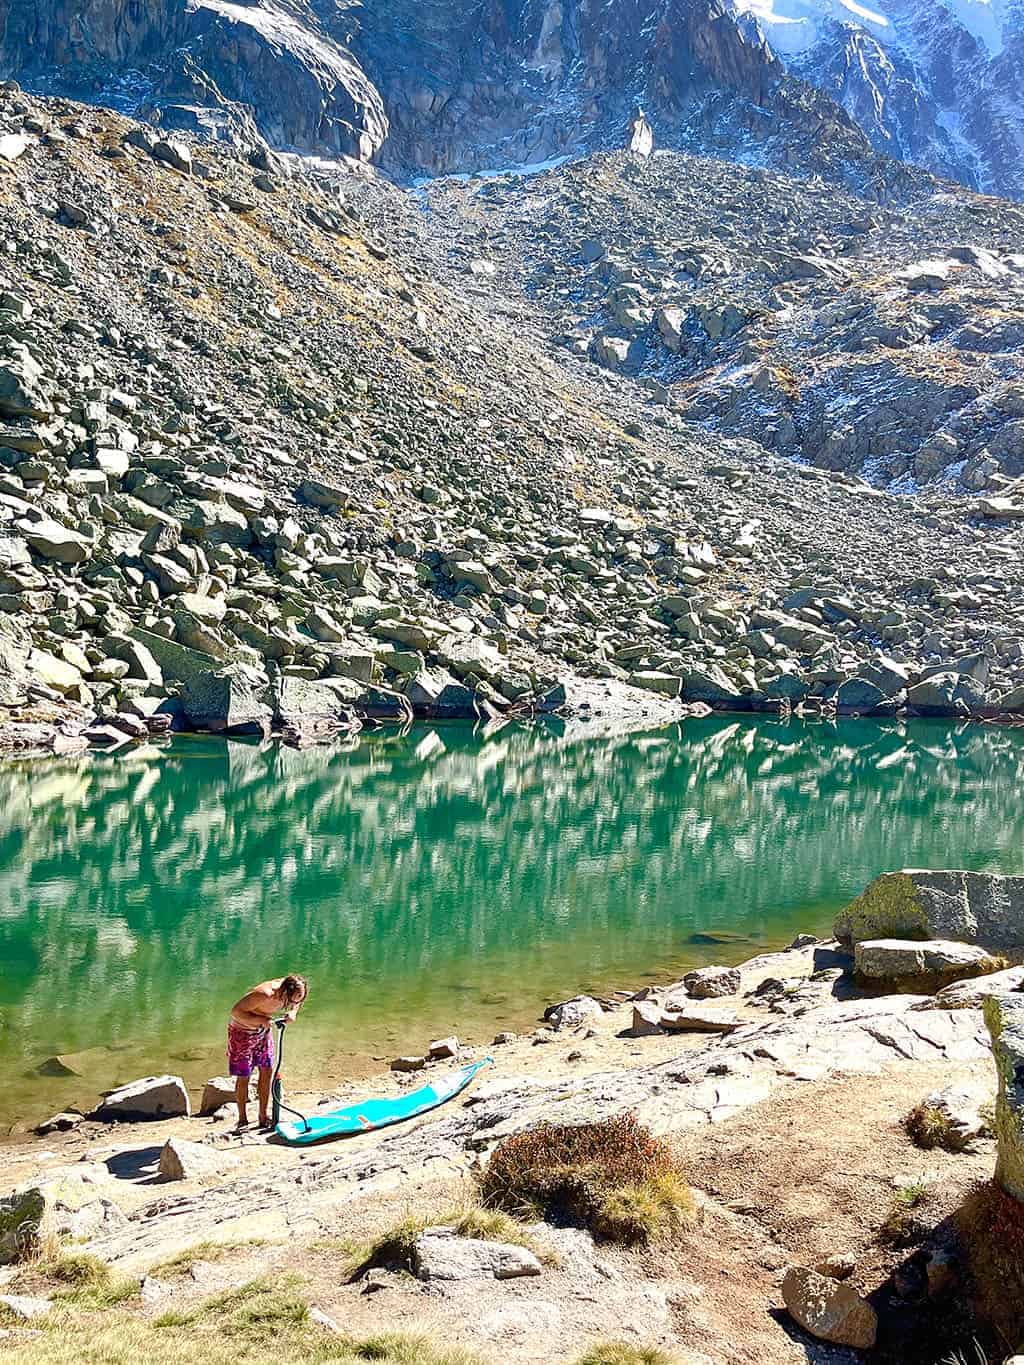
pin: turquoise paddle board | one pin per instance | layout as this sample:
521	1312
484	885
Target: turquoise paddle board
372	1114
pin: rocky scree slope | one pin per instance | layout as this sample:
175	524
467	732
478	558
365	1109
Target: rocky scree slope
244	436
460	84
882	339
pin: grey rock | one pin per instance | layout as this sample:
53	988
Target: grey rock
829	1309
946	694
183	1160
937	961
152	1097
1004	1015
574	1013
440	1255
966	907
54	541
708	983
230	699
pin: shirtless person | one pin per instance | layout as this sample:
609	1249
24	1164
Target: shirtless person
250	1045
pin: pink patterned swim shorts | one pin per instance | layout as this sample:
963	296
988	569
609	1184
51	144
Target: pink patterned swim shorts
249	1049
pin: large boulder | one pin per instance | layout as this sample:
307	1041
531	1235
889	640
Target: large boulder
709	684
68	1203
858	694
708	983
966	907
442	1255
830	1310
1004	1015
228	699
921	965
946	694
152	1097
573	1013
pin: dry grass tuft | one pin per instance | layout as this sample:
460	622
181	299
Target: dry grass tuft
183	1261
614	1177
396	1247
621	1353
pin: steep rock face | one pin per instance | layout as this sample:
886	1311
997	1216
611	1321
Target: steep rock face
467	85
929	81
502	84
236	71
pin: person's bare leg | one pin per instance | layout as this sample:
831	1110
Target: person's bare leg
241	1099
263	1090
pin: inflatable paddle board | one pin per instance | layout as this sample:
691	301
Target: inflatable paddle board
373	1114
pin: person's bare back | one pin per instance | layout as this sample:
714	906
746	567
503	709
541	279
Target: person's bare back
260	1004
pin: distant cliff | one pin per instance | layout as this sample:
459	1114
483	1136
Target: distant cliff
423	86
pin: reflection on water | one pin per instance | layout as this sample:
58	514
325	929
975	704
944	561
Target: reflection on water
442	881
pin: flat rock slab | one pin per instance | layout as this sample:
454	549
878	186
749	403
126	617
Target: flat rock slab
441	1255
937	962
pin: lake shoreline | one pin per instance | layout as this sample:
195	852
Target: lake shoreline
50	727
802	1100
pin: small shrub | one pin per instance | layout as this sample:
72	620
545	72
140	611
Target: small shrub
990	1226
621	1353
614	1177
930	1127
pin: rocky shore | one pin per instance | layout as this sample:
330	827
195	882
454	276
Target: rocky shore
788	1085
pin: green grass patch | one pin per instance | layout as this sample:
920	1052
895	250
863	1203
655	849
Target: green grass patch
904	1226
613	1177
75	1277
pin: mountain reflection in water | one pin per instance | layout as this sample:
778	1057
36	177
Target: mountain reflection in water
443	881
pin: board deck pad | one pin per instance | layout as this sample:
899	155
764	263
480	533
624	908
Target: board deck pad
371	1114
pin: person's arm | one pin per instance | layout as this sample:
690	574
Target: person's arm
290	1014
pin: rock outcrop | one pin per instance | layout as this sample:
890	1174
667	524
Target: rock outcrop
966	907
243	72
1004	1015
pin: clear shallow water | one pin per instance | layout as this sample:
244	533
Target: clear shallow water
442	882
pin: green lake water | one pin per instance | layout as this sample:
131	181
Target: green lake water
442	882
